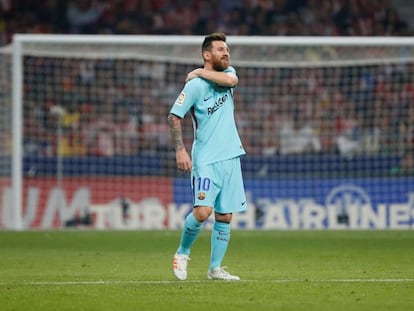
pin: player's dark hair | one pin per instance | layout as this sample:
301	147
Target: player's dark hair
207	43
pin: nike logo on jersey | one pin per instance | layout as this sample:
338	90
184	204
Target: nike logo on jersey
207	98
243	203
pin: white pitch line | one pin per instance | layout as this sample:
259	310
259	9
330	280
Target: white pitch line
154	282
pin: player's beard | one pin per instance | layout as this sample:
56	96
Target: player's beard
220	64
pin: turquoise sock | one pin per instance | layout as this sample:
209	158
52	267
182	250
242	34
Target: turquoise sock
220	238
192	228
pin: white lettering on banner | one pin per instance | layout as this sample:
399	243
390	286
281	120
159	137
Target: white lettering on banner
370	218
275	217
132	219
345	204
347	207
313	215
57	204
113	217
399	216
177	214
99	211
245	220
148	214
153	214
32	203
333	219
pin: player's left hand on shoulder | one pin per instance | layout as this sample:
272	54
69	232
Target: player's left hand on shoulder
193	74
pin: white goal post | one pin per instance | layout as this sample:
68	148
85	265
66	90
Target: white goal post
323	77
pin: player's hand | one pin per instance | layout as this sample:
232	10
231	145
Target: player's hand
183	160
193	74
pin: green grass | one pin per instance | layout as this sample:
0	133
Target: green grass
280	270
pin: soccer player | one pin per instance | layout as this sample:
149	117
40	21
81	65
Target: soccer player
216	176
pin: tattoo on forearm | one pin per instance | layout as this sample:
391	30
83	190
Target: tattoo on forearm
176	132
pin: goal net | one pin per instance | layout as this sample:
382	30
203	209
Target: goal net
327	123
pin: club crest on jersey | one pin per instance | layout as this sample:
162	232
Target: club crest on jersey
180	99
201	196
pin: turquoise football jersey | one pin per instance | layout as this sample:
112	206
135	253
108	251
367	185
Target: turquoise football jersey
212	111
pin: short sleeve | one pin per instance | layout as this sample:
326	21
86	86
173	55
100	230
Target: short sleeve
186	99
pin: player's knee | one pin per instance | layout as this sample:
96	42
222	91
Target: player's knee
224	217
201	213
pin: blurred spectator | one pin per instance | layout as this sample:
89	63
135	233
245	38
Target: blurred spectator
349	138
299	137
154	131
406	166
126	134
84	16
406	131
37	140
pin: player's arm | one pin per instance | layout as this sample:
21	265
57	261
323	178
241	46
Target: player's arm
228	79
183	159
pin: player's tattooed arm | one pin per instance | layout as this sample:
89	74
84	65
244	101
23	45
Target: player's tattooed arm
183	159
176	131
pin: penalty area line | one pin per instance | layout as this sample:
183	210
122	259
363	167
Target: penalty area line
166	282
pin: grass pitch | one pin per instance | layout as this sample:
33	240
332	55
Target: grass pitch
280	270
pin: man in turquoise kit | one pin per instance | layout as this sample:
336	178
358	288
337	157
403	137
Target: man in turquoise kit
216	176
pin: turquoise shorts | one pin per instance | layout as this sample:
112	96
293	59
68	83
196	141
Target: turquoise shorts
220	186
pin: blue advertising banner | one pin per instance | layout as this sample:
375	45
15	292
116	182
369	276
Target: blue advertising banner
324	203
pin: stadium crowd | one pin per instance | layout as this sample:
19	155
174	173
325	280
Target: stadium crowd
234	17
107	114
